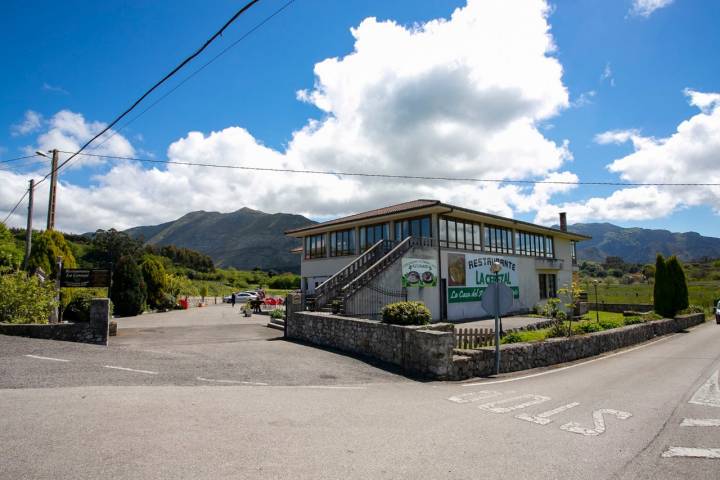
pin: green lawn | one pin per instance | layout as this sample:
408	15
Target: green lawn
702	293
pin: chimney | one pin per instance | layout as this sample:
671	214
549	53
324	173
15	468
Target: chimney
563	221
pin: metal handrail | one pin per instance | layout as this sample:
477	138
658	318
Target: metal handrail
405	244
328	286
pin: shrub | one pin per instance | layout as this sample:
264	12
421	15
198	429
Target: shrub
587	327
25	299
634	320
512	337
693	309
155	279
278	314
46	249
128	291
679	286
652	316
608	324
406	313
78	309
557	330
662	291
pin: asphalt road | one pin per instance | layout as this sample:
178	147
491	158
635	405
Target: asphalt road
617	416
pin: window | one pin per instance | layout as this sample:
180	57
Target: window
498	239
414	227
534	244
548	285
342	243
372	234
573	251
315	246
456	233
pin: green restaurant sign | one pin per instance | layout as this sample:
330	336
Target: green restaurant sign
469	276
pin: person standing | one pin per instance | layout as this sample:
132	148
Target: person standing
232	300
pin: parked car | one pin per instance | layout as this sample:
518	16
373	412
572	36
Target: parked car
717	312
240	297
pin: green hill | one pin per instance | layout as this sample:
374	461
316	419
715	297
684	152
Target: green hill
641	245
244	239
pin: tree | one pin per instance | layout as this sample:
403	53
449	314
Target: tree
662	291
109	246
46	249
648	271
155	280
679	288
128	291
10	254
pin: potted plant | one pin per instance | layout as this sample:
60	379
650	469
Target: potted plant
336	306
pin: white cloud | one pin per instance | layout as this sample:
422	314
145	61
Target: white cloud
462	97
645	8
690	155
54	88
32	122
68	131
607	74
584	99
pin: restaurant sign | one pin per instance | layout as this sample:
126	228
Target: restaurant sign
419	272
469	276
83	277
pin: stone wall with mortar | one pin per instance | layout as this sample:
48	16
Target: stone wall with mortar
94	331
424	350
618	307
524	356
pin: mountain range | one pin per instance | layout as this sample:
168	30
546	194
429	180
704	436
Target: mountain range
641	245
246	239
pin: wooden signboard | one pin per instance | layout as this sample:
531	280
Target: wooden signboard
84	278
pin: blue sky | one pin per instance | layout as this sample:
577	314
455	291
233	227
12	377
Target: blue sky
625	71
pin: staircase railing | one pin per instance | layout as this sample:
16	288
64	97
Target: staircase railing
391	257
331	287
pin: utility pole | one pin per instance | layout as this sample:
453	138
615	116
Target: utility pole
28	233
53	187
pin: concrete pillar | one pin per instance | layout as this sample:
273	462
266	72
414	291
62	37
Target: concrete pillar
100	319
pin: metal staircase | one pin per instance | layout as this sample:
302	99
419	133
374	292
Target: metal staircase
330	289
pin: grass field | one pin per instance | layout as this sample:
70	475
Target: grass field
703	293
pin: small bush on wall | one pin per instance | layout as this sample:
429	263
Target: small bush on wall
406	313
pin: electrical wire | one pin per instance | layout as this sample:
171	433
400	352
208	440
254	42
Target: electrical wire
246	7
19	158
408	177
183	81
16	206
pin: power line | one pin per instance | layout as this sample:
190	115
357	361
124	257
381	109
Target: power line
16	206
19	158
202	67
407	177
246	7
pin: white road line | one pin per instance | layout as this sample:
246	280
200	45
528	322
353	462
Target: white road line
474	396
47	358
692	452
598	420
569	366
542	418
709	393
237	382
700	422
327	387
131	370
531	398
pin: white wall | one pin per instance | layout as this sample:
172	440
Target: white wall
320	269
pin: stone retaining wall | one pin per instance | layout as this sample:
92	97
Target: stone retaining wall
618	307
524	356
425	350
94	331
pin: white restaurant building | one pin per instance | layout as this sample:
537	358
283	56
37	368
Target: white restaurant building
434	252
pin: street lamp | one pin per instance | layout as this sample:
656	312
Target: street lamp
495	269
38	152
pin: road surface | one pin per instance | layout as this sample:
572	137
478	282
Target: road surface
651	411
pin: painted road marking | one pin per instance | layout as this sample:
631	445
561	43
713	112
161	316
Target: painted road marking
474	396
700	422
692	452
531	398
47	358
542	418
230	381
709	393
556	370
598	420
131	370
